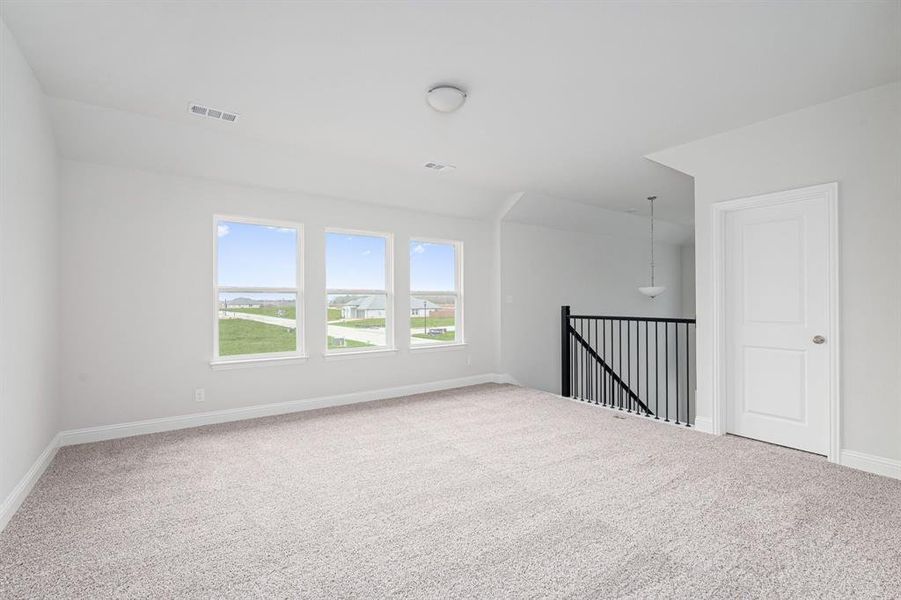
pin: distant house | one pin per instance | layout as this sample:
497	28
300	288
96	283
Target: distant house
364	307
420	307
373	307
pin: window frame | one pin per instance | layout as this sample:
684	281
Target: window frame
388	292
297	290
459	328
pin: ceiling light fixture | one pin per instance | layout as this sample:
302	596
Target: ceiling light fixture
652	291
445	98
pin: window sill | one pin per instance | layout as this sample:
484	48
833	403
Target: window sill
244	363
438	347
359	353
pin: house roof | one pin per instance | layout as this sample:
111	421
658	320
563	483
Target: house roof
377	302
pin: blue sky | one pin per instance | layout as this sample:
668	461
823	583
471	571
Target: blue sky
265	256
431	266
256	255
354	262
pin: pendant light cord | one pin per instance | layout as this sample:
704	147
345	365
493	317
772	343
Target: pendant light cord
652	198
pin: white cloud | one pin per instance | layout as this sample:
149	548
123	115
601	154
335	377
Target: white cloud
419	249
280	229
367	252
222	230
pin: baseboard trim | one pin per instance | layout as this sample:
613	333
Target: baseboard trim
18	494
506	378
121	430
871	463
704	424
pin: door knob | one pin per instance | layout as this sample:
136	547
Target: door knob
818	339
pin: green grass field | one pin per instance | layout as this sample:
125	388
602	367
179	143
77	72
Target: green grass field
239	336
421	322
332	344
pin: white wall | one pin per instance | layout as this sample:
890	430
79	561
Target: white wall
688	279
136	335
543	269
29	258
855	141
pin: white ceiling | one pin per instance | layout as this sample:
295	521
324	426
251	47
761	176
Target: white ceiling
565	98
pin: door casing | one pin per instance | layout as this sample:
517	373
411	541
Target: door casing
720	397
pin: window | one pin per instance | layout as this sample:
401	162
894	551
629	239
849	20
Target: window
359	291
258	294
436	300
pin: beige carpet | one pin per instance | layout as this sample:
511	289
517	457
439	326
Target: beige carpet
488	492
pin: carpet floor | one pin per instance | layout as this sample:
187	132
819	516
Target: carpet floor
484	492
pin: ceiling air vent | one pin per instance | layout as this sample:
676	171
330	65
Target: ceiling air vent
440	167
213	113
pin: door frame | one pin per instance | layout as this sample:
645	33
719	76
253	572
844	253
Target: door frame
720	364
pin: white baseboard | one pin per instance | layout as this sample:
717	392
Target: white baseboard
121	430
506	378
870	463
704	424
15	498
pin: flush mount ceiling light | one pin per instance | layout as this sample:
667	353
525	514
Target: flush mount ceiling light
445	98
652	291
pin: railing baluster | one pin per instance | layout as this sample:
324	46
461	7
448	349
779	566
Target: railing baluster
620	362
589	372
647	350
575	323
676	347
595	373
687	376
635	370
656	371
629	364
584	367
666	369
581	365
603	380
578	325
574	365
572	370
604	356
608	394
582	362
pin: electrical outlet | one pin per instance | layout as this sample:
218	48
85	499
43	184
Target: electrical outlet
199	395
469	360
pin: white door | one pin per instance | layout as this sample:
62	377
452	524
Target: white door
776	321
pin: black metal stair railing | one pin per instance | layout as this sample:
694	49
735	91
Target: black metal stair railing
637	364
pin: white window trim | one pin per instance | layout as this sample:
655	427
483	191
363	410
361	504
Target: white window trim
459	326
297	355
388	292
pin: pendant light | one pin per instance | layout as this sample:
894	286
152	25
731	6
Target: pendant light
652	291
